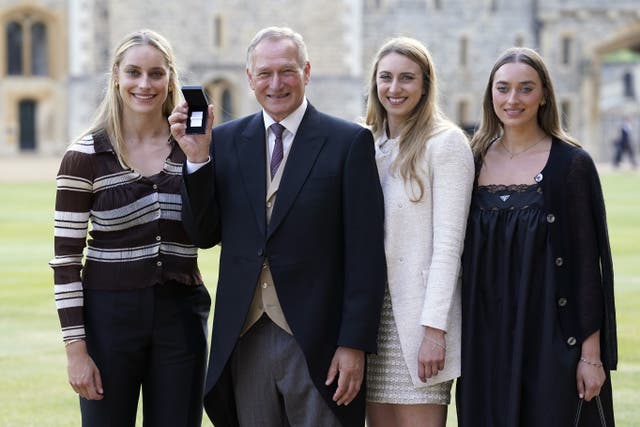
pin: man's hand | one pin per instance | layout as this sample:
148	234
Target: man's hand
195	146
348	364
84	375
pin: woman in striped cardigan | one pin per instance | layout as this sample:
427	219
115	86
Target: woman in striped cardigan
133	311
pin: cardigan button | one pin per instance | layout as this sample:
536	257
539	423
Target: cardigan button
559	261
551	218
572	341
562	302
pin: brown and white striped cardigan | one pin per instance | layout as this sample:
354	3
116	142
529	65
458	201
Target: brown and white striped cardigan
136	239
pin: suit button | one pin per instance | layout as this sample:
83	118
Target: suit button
559	261
571	341
551	218
260	252
562	302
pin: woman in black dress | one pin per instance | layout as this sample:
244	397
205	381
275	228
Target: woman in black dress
539	327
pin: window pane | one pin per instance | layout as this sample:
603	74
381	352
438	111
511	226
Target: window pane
566	51
27	125
14	48
39	58
629	89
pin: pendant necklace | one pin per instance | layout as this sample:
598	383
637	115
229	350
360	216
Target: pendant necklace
512	155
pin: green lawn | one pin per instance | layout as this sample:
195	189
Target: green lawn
33	382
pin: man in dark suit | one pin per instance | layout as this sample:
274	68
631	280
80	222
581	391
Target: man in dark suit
293	197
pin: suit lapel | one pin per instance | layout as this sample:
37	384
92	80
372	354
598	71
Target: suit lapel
307	144
251	158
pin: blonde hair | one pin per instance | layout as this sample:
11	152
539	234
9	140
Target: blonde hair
108	116
548	117
426	119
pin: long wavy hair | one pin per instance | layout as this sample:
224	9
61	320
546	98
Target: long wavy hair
108	116
426	119
548	116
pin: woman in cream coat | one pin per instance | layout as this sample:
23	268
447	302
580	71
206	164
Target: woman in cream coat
426	171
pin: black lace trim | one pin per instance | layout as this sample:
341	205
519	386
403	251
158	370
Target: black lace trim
511	188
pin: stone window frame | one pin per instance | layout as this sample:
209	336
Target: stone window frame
28	17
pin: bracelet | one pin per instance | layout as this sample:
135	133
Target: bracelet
68	343
596	364
442	346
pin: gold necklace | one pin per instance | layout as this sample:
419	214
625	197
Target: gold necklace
512	155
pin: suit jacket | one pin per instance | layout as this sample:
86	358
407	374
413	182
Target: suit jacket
324	244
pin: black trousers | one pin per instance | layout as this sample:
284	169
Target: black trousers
154	339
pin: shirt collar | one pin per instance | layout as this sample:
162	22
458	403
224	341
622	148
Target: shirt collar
292	121
101	142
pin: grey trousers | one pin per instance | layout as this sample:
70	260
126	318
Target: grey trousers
271	381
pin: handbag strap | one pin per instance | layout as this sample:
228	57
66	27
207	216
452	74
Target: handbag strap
603	421
601	412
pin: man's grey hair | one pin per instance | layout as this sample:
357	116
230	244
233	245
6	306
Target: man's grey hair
278	33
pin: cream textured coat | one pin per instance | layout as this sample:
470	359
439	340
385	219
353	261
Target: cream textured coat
423	245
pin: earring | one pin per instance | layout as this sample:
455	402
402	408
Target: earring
543	103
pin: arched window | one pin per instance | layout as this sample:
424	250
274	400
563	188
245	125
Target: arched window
14	48
27	52
39	59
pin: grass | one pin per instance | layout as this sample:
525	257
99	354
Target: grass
33	385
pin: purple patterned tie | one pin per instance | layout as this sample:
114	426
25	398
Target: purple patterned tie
276	156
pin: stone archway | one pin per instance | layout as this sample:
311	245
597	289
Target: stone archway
599	130
221	94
